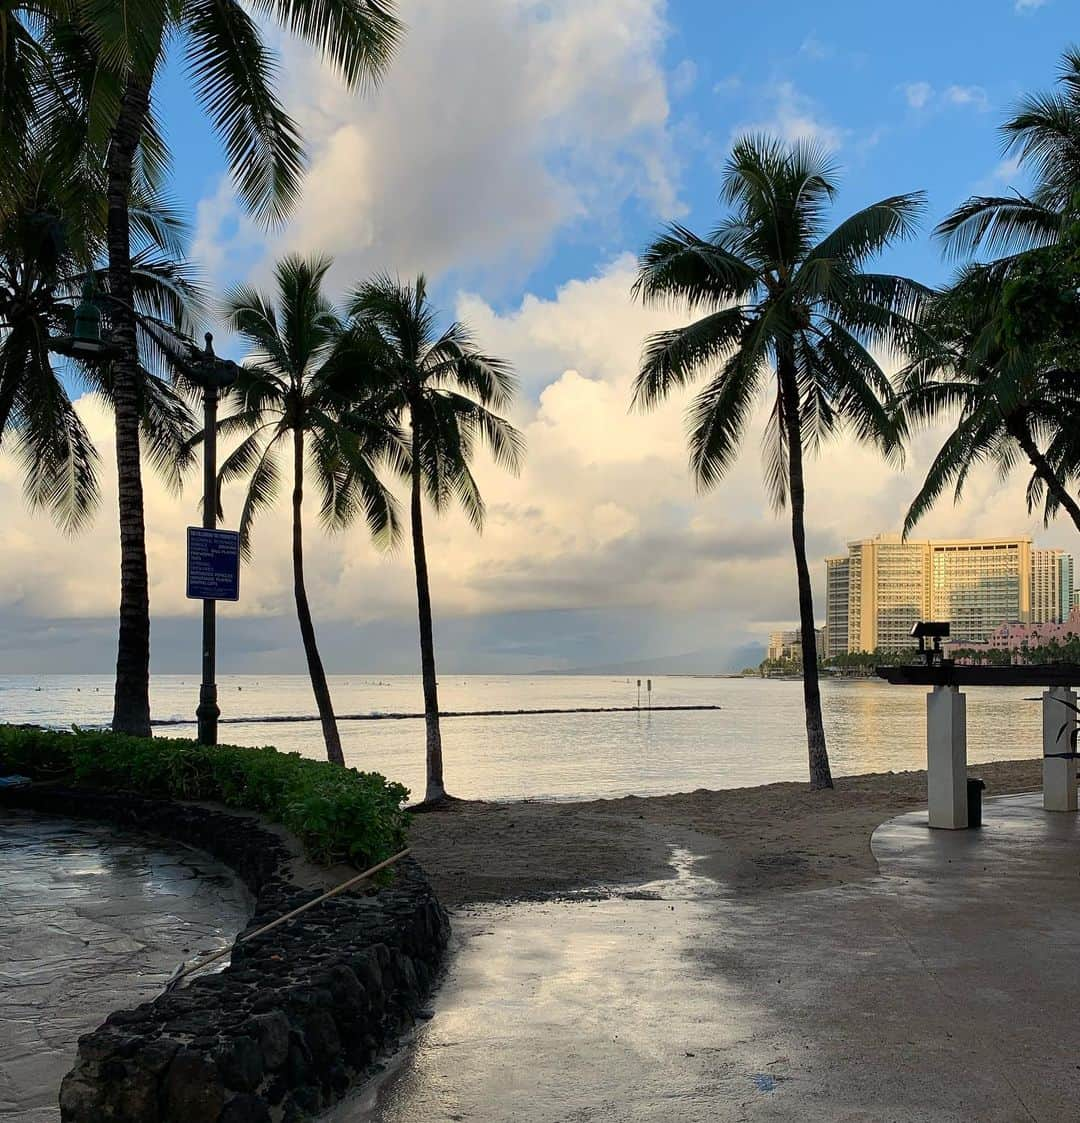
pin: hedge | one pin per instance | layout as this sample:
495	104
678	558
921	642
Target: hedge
338	814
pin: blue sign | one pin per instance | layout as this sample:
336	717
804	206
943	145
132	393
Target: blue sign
213	564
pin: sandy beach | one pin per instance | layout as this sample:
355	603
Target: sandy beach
776	836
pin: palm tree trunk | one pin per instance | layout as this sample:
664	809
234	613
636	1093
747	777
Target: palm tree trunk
1020	431
319	686
435	789
131	701
820	773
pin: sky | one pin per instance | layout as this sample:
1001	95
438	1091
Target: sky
521	153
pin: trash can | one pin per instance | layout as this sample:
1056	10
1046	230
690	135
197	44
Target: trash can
975	789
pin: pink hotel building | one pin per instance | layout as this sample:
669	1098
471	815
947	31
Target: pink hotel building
1014	637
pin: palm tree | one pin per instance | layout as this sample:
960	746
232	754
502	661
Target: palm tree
37	291
1044	134
1009	327
108	55
1011	398
294	397
786	309
51	242
447	392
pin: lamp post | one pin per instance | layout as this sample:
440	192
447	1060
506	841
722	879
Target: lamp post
213	375
85	342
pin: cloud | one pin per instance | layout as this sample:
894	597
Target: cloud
814	48
499	123
974	96
918	94
1028	5
728	84
600	550
795	117
921	96
684	78
1003	176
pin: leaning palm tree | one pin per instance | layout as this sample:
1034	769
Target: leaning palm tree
786	310
294	399
1014	400
447	392
107	57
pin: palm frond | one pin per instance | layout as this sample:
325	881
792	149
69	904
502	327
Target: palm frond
717	417
998	225
871	230
358	36
673	358
234	78
263	487
682	269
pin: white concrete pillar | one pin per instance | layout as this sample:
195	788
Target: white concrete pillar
946	757
1059	776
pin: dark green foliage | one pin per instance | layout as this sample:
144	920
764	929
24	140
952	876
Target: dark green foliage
868	660
1053	651
339	814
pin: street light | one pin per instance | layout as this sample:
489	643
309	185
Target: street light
213	375
85	342
206	370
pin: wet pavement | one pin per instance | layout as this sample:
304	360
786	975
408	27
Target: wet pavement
91	921
945	990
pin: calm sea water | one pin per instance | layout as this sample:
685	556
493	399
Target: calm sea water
757	737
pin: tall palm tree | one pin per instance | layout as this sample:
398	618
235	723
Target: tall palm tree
1012	400
786	310
294	398
446	391
121	47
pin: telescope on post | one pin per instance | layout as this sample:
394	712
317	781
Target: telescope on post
935	630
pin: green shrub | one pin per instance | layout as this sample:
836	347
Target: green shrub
339	814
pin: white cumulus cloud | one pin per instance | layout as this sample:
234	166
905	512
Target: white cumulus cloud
498	123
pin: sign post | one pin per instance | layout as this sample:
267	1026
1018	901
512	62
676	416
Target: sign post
213	571
213	574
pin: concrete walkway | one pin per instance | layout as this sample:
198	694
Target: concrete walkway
947	989
91	921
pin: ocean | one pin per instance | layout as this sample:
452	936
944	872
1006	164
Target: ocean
757	736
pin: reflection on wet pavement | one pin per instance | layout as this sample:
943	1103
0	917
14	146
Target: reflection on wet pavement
91	921
943	991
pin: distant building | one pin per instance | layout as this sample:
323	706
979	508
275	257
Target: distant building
888	591
974	584
788	644
977	585
837	587
1051	586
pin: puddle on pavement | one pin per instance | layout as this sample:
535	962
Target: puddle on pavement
91	921
573	1010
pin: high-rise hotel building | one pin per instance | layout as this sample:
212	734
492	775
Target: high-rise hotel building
1051	586
884	584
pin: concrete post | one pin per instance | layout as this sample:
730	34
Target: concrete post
946	757
1059	776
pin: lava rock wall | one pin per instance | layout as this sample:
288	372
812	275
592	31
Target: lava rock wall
300	1013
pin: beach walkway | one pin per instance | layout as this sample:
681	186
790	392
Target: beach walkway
945	989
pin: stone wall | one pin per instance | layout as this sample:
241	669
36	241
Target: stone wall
299	1014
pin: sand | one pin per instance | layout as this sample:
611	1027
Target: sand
778	836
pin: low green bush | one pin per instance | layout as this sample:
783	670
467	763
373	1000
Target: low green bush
339	814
